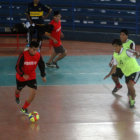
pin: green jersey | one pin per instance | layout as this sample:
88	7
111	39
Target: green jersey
127	64
127	45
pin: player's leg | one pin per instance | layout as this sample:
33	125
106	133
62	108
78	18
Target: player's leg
115	77
62	53
53	55
30	33
33	85
131	91
39	36
130	82
20	86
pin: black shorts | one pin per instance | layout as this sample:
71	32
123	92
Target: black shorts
31	84
134	77
59	49
118	73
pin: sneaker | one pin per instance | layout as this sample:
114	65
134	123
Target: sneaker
52	65
49	65
55	64
116	89
24	111
132	103
17	100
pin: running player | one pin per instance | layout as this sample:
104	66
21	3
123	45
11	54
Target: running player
126	60
26	75
55	41
127	44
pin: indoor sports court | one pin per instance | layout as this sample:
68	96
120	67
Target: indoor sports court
75	103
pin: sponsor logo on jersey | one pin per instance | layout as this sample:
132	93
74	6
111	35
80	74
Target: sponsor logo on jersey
30	63
58	29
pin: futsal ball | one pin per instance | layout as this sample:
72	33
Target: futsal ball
34	116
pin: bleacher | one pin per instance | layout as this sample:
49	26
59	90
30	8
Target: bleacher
83	15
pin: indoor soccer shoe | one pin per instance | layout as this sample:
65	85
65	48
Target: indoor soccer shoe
48	65
132	103
116	89
52	65
17	100
55	64
24	111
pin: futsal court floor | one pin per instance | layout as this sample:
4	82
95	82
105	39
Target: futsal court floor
74	104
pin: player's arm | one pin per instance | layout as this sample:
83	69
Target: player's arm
132	46
113	69
48	33
41	66
132	53
111	62
28	15
20	64
50	37
48	10
62	34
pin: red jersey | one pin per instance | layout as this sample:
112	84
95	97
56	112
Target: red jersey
56	33
27	64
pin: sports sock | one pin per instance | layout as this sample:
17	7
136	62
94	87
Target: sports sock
26	104
17	95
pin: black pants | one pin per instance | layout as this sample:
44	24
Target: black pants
32	30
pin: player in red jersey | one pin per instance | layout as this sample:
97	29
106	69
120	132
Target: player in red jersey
26	75
55	41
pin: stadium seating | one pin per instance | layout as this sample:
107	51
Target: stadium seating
92	15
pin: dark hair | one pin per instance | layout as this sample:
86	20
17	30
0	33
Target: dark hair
117	42
55	13
124	31
34	44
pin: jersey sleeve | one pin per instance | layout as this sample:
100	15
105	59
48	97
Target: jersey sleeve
20	64
130	53
41	66
132	46
114	61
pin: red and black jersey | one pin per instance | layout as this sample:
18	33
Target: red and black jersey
27	64
56	33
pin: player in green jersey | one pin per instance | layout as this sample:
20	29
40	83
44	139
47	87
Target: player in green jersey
126	60
127	44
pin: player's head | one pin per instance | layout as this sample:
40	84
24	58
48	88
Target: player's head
123	35
36	1
34	46
56	16
117	44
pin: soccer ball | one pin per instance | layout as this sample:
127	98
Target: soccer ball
34	116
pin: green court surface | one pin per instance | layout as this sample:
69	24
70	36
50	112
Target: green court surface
73	70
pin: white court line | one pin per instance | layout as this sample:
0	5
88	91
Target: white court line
82	73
